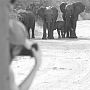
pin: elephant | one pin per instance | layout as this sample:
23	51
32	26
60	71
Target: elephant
70	16
59	26
49	16
28	19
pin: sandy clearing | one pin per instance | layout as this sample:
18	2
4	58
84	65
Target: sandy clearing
65	63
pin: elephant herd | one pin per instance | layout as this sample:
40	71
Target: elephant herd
65	28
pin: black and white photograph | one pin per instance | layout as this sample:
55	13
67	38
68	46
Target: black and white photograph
44	44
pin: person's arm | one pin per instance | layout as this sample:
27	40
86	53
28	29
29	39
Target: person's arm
12	80
28	81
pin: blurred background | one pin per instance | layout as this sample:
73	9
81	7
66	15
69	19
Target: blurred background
34	5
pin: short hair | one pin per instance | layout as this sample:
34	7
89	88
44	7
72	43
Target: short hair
12	1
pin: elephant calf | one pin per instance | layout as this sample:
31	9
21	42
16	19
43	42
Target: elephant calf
59	26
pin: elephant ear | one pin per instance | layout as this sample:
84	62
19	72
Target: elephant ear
78	8
62	7
55	12
41	12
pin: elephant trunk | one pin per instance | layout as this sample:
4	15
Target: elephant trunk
67	27
67	23
50	30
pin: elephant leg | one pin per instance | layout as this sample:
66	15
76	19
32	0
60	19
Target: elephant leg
63	31
73	33
70	32
62	34
50	34
67	34
33	28
29	34
28	30
44	31
50	31
67	27
58	31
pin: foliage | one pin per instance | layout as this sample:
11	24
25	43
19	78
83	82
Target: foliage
34	5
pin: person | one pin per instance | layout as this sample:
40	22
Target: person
18	38
4	46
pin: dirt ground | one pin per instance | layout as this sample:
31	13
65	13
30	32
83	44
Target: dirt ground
65	62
